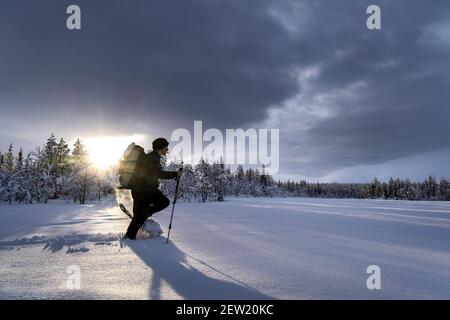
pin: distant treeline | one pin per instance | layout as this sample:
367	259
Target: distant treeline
213	181
395	189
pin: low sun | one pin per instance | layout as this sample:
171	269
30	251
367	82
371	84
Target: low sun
107	150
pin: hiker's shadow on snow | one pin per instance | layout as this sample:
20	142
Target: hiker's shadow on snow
170	266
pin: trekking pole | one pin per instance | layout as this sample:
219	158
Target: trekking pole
173	207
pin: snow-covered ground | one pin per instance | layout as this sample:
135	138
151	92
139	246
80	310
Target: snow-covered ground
239	249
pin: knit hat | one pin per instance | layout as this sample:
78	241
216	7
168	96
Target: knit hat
159	143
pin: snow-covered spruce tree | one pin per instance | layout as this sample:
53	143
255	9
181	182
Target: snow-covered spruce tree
62	169
8	160
410	190
50	172
19	160
40	176
9	182
252	185
375	189
265	182
188	183
62	152
22	192
430	188
227	178
10	186
50	154
392	192
239	181
13	178
270	186
203	183
400	190
25	182
444	190
245	188
218	180
83	176
50	149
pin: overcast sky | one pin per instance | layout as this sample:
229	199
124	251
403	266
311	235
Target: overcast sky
350	103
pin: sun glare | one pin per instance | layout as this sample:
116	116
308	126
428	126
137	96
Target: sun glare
106	151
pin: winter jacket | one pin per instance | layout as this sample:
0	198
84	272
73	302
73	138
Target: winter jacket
148	171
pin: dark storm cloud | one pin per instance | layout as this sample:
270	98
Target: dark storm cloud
183	59
166	63
402	105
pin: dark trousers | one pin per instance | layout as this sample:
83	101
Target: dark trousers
142	209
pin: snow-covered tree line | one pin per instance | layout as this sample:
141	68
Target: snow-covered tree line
52	171
213	181
395	189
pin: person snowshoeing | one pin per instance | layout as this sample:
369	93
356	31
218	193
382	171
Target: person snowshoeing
144	186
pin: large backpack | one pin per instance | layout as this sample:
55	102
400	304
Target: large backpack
128	165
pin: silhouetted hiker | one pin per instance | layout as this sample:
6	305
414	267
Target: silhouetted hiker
144	186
